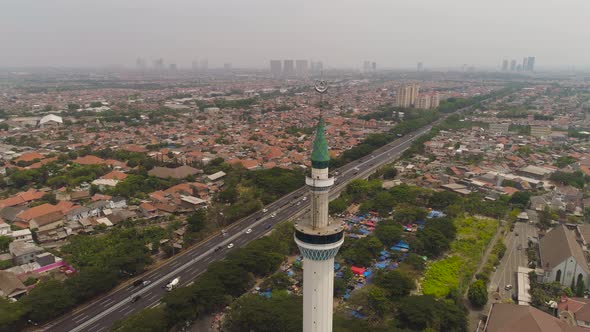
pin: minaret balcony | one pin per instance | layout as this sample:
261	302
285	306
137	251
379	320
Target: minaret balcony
319	182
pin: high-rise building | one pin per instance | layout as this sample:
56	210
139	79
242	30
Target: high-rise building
427	101
195	65
531	64
419	67
525	64
434	100
159	64
172	67
139	63
288	68
505	65
204	64
317	67
374	66
519	67
423	102
406	95
513	65
319	237
301	67
227	66
276	68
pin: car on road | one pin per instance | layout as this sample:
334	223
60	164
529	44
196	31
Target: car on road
508	287
298	203
146	282
218	248
135	298
229	246
519	247
273	215
249	230
516	234
138	282
267	226
305	198
265	210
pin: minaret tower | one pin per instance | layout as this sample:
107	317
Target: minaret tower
319	238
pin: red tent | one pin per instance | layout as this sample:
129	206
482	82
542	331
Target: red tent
357	270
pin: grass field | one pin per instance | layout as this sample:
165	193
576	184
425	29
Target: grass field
456	270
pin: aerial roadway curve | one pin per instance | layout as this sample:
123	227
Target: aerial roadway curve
100	314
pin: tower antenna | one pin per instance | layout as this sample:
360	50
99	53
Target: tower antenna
321	87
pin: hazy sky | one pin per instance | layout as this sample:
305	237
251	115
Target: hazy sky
248	33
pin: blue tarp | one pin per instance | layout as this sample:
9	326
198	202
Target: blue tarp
268	295
381	265
435	214
357	314
384	253
336	266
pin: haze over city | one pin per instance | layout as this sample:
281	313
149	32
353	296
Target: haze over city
341	33
287	166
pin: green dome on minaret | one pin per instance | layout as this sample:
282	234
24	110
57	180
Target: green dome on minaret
320	158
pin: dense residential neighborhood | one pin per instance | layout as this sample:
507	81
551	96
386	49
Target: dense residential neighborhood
485	210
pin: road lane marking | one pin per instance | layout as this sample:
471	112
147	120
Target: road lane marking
80	318
123	307
125	312
108	302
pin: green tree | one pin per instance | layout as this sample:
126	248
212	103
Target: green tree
521	199
146	320
378	302
48	300
91	281
416	261
434	241
388	232
395	283
338	206
11	315
282	312
478	293
196	221
4	242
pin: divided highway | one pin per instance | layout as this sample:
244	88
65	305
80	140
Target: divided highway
100	314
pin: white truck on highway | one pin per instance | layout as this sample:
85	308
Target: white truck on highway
173	284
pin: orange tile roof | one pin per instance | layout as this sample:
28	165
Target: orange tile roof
38	211
30	156
147	207
90	160
115	175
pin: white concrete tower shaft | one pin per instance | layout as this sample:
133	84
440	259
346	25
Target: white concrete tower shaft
318	239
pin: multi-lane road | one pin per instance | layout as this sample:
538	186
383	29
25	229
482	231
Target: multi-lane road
100	314
516	243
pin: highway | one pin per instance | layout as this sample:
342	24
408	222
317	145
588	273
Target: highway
513	258
100	314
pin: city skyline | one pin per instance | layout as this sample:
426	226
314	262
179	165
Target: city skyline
299	31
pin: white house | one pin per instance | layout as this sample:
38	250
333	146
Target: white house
562	257
118	202
81	212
